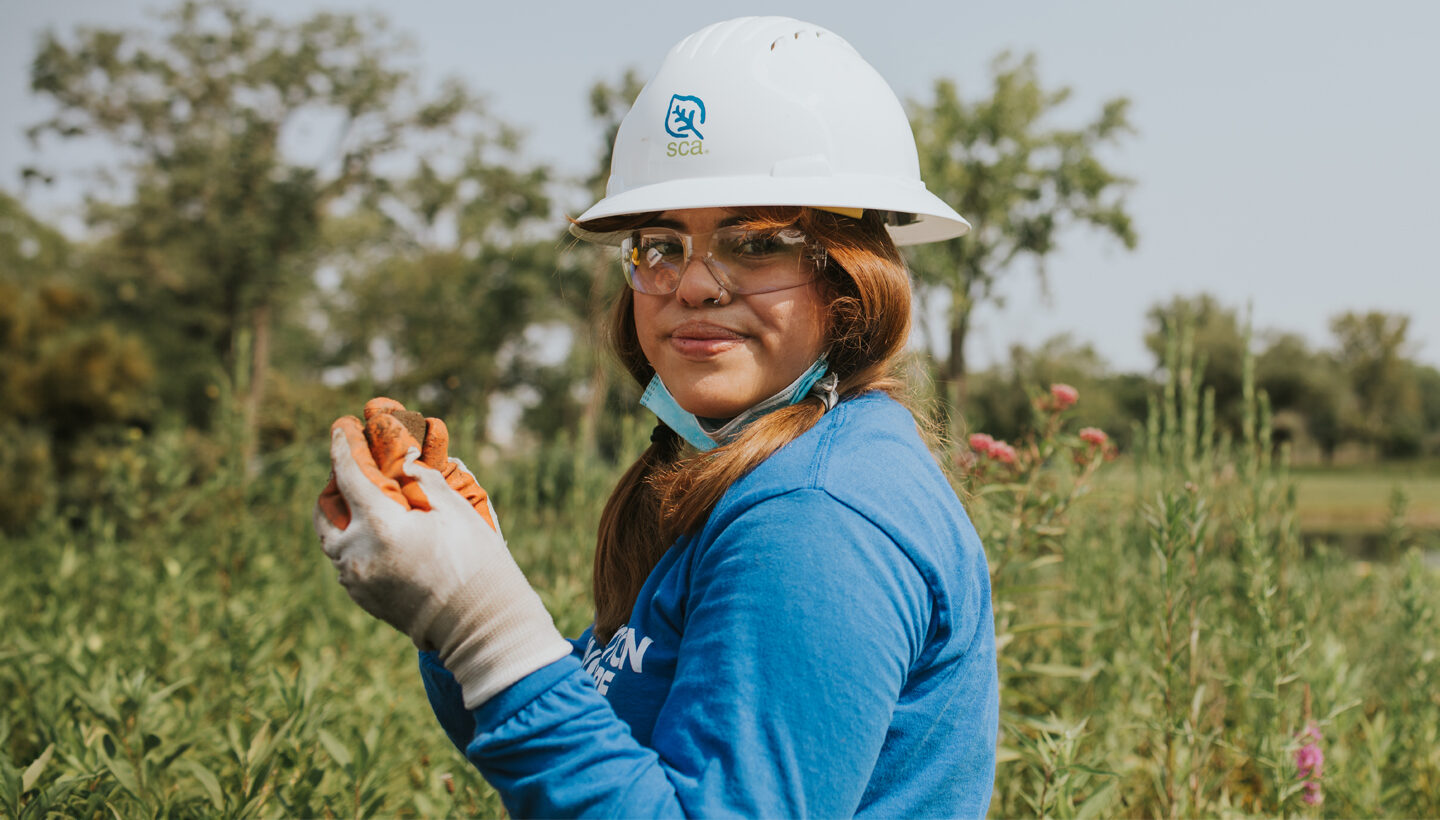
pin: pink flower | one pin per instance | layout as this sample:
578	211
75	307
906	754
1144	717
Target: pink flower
1002	452
1063	395
1310	764
1094	435
986	444
1309	760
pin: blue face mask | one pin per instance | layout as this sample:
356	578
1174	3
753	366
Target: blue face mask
706	436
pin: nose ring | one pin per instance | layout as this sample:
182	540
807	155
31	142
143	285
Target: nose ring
715	300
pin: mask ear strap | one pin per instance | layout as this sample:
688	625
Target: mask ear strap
826	390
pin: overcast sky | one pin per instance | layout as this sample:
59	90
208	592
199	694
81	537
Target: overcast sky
1286	154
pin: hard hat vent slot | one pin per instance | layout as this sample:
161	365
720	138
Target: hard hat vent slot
796	36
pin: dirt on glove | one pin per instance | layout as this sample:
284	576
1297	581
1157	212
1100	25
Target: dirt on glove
414	422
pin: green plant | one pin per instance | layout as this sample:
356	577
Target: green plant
180	647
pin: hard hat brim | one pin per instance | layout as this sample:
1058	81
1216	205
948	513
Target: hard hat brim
934	221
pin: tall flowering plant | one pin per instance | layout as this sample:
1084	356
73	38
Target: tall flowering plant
1027	487
1020	494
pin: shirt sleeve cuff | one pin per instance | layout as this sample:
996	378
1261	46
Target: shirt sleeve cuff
510	700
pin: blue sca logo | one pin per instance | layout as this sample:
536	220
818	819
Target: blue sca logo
683	117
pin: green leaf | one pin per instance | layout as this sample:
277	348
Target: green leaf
1060	670
1049	725
32	772
161	694
124	774
258	775
232	732
174	753
258	743
1099	803
10	790
207	781
1076	767
1023	628
336	749
99	703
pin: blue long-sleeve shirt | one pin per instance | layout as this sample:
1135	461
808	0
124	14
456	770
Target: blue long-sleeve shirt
823	646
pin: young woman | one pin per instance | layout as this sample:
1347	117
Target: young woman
792	608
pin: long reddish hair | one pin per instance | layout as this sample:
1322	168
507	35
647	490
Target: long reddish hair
668	491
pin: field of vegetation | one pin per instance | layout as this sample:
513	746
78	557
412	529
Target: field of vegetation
1169	649
1363	499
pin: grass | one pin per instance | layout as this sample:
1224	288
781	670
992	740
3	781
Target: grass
1352	499
181	649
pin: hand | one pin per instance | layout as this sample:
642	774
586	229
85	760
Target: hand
417	555
388	446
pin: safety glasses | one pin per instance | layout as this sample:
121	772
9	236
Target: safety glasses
742	261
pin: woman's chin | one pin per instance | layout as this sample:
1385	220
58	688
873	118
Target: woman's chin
706	404
715	411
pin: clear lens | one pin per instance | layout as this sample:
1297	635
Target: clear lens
742	261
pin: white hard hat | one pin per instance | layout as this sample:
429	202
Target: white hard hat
771	111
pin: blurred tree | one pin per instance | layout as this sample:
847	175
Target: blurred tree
610	396
1019	182
1306	384
1427	382
30	250
219	226
1283	369
477	296
441	275
1219	345
1372	352
1000	398
608	106
70	381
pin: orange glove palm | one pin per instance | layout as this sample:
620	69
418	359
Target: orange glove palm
388	440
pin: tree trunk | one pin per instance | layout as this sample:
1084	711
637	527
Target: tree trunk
255	396
594	407
596	323
955	381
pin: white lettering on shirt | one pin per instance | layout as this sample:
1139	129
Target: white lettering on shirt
622	648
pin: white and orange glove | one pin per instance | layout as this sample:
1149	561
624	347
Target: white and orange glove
388	449
416	553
